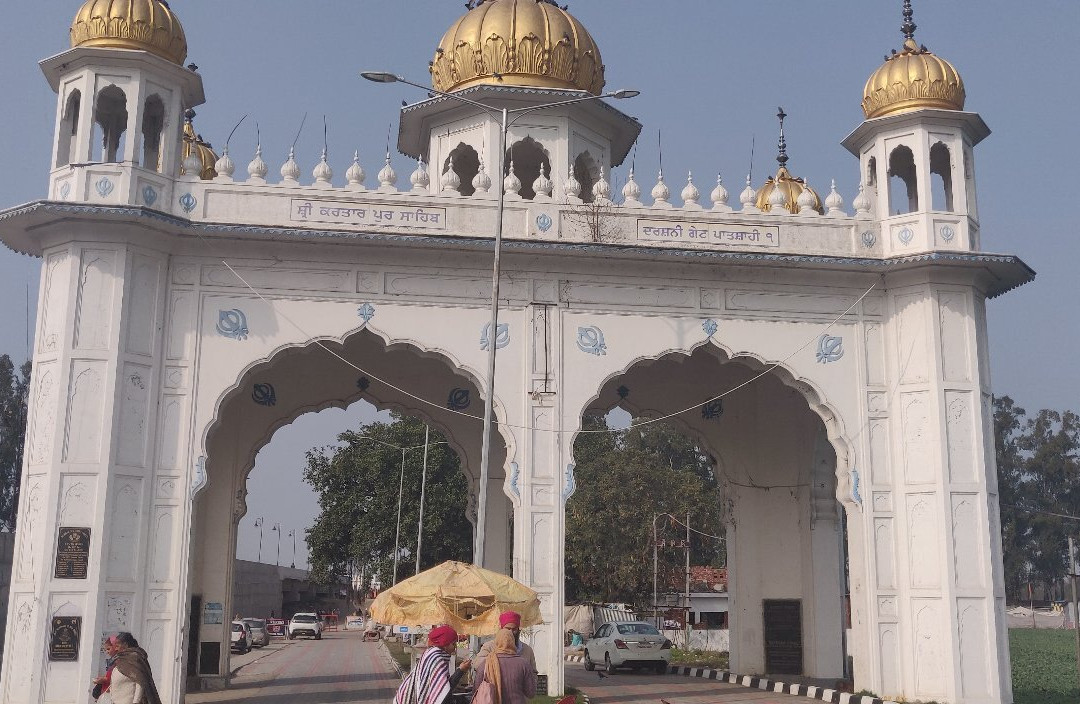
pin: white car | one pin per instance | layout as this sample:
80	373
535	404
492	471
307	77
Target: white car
306	624
633	644
240	639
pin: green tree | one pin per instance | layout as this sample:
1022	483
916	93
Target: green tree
14	392
357	485
625	478
1009	420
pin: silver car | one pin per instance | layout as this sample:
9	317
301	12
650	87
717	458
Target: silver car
633	644
257	630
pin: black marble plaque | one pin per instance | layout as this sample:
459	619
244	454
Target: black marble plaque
64	638
783	636
542	685
72	553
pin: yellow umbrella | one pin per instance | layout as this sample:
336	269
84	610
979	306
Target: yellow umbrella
467	597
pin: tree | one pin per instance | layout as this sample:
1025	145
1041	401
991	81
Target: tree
1015	522
14	392
357	485
625	478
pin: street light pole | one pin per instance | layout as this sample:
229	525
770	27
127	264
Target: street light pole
656	616
423	488
397	534
259	525
277	529
292	534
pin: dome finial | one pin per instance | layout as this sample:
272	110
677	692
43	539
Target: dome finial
781	155
909	26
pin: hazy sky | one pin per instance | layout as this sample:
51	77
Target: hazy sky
712	74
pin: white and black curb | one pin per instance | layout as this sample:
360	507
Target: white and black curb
800	690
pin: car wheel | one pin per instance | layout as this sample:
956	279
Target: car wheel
589	664
608	666
661	668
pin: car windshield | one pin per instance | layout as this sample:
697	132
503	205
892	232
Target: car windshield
637	629
255	623
304	618
237	627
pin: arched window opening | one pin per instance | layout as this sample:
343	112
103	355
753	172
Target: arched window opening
466	166
110	123
152	126
528	157
903	189
69	126
586	173
871	173
941	186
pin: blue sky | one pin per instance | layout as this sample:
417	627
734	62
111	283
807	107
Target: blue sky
711	74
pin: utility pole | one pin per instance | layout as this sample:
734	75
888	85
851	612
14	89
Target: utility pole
686	616
655	612
397	534
1075	603
423	487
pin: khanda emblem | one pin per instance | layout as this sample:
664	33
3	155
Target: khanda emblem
830	349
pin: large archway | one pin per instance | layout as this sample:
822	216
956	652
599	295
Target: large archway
782	511
273	392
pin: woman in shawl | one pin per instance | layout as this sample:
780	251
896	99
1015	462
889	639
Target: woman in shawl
430	682
131	681
110	646
511	676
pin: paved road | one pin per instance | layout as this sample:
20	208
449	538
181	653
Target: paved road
339	668
627	686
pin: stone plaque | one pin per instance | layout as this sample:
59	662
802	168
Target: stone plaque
64	638
72	553
783	636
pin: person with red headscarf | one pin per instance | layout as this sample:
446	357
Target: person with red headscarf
430	682
508	621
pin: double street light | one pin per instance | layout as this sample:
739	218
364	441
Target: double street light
506	122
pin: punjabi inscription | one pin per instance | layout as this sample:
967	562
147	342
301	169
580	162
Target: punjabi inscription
370	215
64	638
72	553
709	234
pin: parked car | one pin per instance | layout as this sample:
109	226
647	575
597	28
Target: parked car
633	644
259	634
240	639
306	624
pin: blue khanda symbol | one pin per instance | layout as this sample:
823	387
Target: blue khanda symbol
591	340
906	235
855	495
366	312
710	327
712	409
264	395
502	336
543	222
232	323
830	349
104	187
188	202
458	400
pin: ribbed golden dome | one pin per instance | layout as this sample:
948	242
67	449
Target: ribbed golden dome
207	157
791	187
520	43
130	24
911	79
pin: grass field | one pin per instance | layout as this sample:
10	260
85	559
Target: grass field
1044	666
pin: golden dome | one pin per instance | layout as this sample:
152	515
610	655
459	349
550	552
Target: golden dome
205	152
531	43
130	24
791	187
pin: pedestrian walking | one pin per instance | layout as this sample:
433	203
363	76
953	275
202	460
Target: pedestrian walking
511	621
110	647
131	680
507	678
431	681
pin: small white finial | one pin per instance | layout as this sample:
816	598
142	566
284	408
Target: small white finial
451	182
719	197
290	170
631	191
225	167
834	202
861	203
323	173
660	192
481	181
419	177
542	186
257	169
748	197
511	184
778	200
192	165
571	189
805	201
601	189
355	175
690	193
387	176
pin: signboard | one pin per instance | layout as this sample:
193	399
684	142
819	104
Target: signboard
72	553
213	612
371	215
541	685
276	627
708	234
783	636
64	638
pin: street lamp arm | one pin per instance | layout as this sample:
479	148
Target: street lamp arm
379	77
519	112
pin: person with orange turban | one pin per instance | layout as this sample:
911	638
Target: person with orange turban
508	621
430	682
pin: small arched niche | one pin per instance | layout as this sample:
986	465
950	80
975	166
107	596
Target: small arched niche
69	128
941	185
586	173
153	124
110	123
903	188
528	157
466	166
871	172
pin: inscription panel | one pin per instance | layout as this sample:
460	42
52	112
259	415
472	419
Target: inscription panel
72	553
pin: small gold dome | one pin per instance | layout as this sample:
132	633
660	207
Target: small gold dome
912	79
531	43
205	152
791	187
130	24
